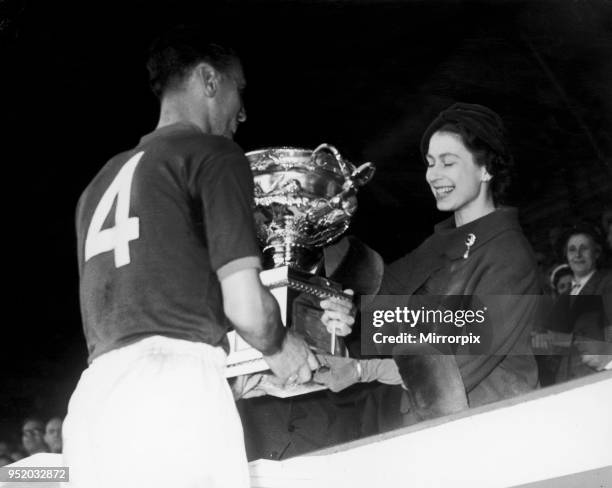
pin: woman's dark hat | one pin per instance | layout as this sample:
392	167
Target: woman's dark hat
477	119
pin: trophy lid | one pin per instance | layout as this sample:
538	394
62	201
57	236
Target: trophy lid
286	158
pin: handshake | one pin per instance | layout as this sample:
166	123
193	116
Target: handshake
338	373
334	373
296	364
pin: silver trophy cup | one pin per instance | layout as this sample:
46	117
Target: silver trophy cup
304	199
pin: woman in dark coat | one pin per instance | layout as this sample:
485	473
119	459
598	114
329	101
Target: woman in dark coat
479	251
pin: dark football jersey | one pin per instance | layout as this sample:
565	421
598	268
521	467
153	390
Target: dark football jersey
157	228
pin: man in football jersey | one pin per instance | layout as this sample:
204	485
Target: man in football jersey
166	252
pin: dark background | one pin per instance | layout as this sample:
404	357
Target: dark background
366	76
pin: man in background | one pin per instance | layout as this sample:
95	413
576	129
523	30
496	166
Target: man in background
53	435
167	250
33	430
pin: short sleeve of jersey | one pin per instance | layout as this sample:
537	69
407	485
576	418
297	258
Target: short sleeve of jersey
224	183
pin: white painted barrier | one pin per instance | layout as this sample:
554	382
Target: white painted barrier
558	437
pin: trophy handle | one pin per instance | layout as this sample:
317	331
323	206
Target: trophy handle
359	177
328	147
363	174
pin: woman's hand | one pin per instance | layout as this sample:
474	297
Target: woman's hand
338	315
338	373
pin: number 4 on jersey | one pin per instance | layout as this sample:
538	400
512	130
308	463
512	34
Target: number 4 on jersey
126	228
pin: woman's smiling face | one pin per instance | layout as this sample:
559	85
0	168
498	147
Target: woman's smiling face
457	182
582	254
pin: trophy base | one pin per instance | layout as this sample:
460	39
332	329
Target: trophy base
298	295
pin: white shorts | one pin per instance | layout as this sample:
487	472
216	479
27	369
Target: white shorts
156	413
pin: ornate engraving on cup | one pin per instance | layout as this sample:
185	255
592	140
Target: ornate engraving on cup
304	199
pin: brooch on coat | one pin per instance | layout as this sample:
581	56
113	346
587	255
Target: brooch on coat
469	242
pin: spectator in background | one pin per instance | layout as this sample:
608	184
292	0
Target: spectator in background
588	312
53	435
561	280
33	431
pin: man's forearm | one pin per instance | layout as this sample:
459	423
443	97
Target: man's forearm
253	310
265	331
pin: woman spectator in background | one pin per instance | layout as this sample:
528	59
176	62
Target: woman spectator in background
580	323
588	312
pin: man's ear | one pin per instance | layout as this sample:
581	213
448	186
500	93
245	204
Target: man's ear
209	78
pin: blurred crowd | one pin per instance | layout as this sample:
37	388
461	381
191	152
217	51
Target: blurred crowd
36	436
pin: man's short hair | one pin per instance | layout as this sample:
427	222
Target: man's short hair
175	52
33	419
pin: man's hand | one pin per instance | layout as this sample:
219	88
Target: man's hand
294	363
338	315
